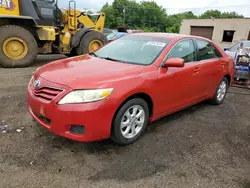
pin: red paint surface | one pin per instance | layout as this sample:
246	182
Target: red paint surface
171	89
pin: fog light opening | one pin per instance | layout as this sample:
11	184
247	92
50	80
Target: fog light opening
77	129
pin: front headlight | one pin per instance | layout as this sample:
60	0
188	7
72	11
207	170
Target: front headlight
84	96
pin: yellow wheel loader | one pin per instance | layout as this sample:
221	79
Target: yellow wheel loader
31	27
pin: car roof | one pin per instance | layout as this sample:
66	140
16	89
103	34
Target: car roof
168	35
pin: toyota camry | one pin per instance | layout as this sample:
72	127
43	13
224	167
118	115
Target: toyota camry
116	91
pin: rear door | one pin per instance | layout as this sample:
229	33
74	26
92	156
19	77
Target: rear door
211	66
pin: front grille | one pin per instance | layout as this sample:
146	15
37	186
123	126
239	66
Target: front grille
46	93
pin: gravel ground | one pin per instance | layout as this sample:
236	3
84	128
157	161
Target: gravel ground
203	146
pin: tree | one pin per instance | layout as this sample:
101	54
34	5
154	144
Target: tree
149	16
231	15
174	21
89	12
110	16
211	14
217	14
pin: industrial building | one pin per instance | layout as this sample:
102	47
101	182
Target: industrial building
224	32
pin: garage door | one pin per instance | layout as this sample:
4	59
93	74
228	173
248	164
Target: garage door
206	32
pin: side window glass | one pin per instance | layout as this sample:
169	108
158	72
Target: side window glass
217	54
185	50
205	50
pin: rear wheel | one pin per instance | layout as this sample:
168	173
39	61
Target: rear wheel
130	121
220	93
18	46
91	41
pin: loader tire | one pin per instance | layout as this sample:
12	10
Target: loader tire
18	47
90	42
72	53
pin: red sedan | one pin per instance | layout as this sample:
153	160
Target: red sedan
116	91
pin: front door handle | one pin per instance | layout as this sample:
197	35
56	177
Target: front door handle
196	70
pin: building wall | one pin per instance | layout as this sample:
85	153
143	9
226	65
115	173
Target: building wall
241	27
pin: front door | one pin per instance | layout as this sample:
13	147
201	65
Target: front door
179	87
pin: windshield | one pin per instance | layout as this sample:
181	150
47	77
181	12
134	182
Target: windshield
133	49
246	44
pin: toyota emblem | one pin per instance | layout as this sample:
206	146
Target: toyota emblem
36	83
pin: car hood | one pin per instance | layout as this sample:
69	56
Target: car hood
87	71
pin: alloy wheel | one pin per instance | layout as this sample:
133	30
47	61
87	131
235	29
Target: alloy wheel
132	121
221	92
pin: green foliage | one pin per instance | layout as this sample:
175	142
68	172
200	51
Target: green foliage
150	17
231	15
211	14
217	14
89	12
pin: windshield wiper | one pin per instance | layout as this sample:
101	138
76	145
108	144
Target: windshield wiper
111	59
117	60
107	58
93	53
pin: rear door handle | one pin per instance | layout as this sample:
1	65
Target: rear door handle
222	64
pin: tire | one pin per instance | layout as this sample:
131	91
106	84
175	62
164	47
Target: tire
117	134
24	38
217	100
83	47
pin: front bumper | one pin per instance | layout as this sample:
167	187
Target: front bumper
96	117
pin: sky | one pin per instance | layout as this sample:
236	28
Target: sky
176	6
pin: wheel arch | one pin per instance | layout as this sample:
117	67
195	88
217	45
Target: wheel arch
229	79
148	99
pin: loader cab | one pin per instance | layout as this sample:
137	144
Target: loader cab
43	11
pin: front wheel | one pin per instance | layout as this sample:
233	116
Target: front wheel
90	42
130	122
220	93
18	47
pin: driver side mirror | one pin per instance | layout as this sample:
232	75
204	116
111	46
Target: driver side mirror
174	62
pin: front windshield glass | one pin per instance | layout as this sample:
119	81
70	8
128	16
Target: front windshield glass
134	49
235	47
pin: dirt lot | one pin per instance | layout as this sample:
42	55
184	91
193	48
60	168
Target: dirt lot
203	146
